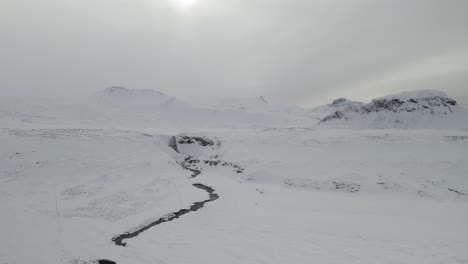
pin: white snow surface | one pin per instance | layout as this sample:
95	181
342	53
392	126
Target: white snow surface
74	175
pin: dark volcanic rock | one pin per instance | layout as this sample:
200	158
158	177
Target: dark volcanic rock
334	116
426	102
384	105
203	141
106	261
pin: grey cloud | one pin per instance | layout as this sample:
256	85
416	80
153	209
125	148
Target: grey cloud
294	52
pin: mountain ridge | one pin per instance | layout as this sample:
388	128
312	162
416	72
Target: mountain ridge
404	110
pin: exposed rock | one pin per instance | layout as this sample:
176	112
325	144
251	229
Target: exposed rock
203	141
344	103
336	115
337	105
424	108
106	261
173	144
324	185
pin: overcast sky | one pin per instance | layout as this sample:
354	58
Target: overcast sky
302	52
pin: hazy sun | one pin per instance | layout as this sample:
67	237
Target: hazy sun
184	3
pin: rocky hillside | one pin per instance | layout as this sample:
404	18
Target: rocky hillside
415	109
337	105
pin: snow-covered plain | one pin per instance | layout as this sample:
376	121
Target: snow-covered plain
73	176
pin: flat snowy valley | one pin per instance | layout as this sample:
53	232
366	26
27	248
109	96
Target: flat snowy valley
138	177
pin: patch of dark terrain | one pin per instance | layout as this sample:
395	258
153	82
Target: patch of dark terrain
203	141
457	192
187	165
456	138
98	261
192	164
349	187
412	104
106	261
119	240
336	115
320	185
386	105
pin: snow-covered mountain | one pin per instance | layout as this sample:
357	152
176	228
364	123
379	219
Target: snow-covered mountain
156	109
262	106
415	109
243	104
337	105
123	97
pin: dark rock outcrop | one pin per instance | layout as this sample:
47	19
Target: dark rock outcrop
391	108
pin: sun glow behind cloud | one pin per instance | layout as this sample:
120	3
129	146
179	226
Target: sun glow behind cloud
184	4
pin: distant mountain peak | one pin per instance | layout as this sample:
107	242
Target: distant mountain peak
338	101
114	89
343	102
121	89
122	96
245	103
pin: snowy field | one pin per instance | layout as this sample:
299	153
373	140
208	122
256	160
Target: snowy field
289	193
304	196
